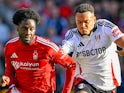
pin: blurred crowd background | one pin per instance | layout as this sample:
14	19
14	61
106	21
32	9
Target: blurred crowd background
56	17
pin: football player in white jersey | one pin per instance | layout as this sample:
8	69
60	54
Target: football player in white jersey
94	46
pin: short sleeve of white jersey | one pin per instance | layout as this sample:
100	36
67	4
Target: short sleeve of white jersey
112	30
69	42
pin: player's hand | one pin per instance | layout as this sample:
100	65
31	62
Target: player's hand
4	81
120	52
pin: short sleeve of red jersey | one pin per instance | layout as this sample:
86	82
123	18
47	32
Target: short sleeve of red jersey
9	70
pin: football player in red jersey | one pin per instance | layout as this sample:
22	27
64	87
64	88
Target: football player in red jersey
30	59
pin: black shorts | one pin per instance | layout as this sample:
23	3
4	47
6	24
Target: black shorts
84	85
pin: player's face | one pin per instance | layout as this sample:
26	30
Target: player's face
26	31
85	22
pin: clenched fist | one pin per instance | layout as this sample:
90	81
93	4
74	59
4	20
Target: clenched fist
4	81
120	52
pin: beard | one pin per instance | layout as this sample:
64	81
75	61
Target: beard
26	40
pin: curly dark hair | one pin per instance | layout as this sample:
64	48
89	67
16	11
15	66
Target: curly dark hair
84	8
24	14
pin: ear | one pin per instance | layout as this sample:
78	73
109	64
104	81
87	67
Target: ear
94	18
17	27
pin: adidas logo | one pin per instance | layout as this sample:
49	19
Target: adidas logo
81	44
14	55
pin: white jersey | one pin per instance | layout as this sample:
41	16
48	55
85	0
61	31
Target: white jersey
97	61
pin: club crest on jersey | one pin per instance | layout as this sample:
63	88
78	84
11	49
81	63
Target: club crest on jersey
35	55
97	37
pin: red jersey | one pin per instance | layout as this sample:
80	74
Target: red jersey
32	67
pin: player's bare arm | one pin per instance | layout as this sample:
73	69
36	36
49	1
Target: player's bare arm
120	43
